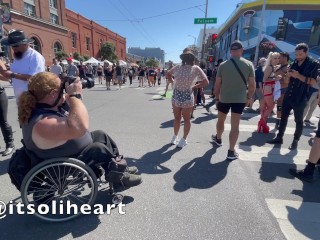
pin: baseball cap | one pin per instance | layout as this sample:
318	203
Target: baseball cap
236	45
69	59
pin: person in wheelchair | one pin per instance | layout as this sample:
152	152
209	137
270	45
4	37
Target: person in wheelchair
48	132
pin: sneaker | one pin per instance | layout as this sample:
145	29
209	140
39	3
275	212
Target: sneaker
163	95
132	170
124	179
182	143
9	150
301	175
216	140
174	140
232	155
130	180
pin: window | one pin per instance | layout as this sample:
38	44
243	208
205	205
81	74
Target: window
121	54
87	43
53	4
36	45
29	9
57	47
54	18
74	39
282	29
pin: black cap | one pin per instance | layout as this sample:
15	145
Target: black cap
236	45
16	38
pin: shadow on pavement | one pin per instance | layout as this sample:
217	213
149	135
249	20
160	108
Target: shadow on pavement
255	140
150	162
269	171
30	227
310	193
204	118
167	124
4	166
200	173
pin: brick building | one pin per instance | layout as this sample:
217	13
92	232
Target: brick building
54	28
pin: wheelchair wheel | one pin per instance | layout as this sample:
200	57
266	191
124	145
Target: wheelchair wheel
58	187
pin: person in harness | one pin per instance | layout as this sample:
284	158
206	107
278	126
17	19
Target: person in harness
50	133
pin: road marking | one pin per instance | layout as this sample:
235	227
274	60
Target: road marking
273	155
297	220
253	128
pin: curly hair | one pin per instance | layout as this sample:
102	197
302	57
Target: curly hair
188	60
39	86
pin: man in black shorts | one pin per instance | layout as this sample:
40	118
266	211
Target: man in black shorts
231	92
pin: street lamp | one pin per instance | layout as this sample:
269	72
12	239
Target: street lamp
194	43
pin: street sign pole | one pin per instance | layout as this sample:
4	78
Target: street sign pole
204	31
255	61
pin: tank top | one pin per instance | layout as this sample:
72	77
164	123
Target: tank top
68	149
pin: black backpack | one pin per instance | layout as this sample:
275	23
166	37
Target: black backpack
20	164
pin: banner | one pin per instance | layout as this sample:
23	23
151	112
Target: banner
5	12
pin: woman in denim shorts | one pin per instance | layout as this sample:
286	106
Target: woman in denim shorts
185	77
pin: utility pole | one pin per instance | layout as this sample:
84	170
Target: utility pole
204	31
260	31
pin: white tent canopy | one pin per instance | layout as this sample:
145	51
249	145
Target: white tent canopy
122	63
93	61
106	61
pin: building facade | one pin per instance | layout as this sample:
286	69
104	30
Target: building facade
55	28
157	53
286	23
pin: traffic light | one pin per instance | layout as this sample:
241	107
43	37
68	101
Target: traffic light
210	59
214	37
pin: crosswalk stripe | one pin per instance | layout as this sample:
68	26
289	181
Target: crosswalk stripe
297	220
272	155
253	128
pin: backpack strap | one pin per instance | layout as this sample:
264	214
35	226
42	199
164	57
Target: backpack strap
239	71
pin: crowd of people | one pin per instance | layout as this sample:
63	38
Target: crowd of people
53	119
237	84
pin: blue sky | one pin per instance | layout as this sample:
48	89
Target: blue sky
148	23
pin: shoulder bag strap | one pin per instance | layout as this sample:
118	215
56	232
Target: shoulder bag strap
239	71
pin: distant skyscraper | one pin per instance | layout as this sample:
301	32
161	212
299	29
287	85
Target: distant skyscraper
157	53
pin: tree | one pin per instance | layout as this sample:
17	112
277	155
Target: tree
152	62
61	54
76	56
85	57
108	51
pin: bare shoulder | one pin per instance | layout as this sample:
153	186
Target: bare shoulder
53	127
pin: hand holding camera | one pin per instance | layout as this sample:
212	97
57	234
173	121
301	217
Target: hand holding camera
74	87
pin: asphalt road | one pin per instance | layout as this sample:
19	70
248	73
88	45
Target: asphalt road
193	193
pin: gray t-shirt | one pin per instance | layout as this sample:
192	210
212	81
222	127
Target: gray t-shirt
72	70
233	89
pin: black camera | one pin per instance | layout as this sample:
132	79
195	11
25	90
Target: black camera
86	82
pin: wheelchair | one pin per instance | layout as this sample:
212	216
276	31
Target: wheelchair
53	184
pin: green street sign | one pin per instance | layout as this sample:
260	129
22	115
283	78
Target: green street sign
205	20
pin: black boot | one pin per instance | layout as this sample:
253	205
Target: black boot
277	124
294	144
306	174
276	140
